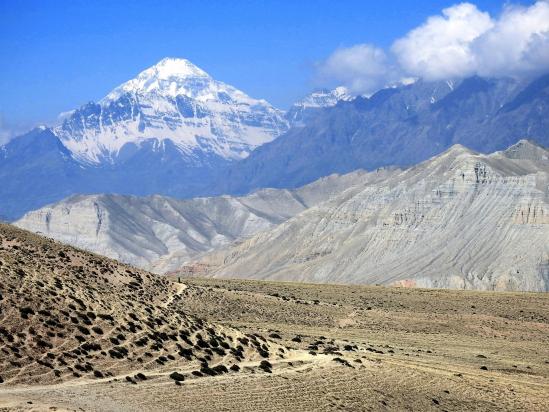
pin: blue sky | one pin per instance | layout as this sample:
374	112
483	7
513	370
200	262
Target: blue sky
57	55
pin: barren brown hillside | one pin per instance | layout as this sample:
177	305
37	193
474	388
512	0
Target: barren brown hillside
66	314
81	332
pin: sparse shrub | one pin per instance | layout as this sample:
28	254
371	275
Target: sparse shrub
220	369
342	361
244	341
43	344
266	366
142	342
25	312
91	346
118	352
206	370
176	376
202	343
219	351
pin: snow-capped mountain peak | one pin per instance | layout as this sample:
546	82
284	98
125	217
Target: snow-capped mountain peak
174	100
325	98
318	99
173	66
169	77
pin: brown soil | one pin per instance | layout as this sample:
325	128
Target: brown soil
329	347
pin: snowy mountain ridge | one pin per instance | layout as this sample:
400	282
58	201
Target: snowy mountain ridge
175	100
325	97
318	99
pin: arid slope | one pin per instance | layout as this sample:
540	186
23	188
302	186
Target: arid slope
461	220
67	314
160	233
84	332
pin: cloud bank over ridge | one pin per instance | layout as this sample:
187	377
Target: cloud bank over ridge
462	41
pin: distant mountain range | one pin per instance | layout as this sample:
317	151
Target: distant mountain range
459	220
402	126
306	108
175	131
161	234
168	131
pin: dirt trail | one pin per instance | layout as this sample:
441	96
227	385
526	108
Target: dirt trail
179	289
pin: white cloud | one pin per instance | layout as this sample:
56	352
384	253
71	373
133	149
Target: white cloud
441	47
461	42
518	44
362	68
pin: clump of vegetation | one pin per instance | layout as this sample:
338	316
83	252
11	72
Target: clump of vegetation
206	370
141	376
266	366
342	361
25	312
176	376
219	369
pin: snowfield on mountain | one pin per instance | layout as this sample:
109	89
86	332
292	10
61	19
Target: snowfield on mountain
173	100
